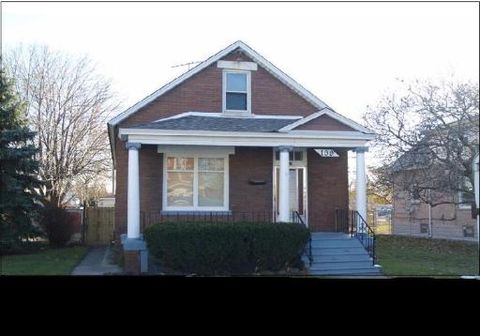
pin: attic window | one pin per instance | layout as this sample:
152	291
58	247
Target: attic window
236	88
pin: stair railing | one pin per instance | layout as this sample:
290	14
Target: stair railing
308	247
364	233
352	223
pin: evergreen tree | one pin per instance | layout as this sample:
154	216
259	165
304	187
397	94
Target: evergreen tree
18	170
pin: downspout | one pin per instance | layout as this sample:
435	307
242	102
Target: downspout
430	221
476	186
430	214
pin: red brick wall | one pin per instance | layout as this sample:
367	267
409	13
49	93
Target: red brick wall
247	164
327	188
203	93
327	185
244	197
324	123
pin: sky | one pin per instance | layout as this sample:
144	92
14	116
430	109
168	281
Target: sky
348	54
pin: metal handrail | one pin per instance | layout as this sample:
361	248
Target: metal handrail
368	242
308	247
347	222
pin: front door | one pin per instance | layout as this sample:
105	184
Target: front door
297	192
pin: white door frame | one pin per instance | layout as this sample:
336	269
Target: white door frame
296	165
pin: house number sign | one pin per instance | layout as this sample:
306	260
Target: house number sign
326	152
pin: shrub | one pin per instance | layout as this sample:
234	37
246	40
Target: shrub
58	225
232	248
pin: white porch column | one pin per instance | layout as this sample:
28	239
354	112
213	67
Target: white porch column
283	185
361	186
133	192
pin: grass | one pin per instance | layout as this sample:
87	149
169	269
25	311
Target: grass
407	256
50	261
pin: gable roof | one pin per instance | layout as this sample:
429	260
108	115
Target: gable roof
212	122
255	56
332	114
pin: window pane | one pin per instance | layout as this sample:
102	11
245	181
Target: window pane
210	164
236	101
298	156
179	163
467	197
180	189
237	82
277	155
210	189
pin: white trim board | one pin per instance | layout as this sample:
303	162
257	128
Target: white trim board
343	135
255	56
223	140
194	150
237	65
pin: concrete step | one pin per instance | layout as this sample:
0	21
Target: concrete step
338	249
365	264
320	258
332	235
362	271
336	243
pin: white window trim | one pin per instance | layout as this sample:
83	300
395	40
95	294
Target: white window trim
195	206
460	199
462	205
246	112
293	163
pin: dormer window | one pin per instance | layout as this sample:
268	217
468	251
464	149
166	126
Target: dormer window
236	91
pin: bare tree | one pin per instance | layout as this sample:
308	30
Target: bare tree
68	105
427	136
89	189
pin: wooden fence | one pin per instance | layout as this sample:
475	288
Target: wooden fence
99	226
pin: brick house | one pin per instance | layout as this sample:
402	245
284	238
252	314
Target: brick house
233	136
412	216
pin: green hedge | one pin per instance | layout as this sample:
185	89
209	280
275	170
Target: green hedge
227	248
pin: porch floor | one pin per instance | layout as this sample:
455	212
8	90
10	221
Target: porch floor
338	254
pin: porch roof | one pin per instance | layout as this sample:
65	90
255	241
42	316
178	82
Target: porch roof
216	123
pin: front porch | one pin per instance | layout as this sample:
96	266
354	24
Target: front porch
275	176
252	182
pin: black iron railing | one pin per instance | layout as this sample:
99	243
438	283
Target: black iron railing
297	218
352	223
148	218
153	217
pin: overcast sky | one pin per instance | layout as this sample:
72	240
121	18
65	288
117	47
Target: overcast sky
347	54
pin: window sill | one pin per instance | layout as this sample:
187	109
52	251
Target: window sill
229	113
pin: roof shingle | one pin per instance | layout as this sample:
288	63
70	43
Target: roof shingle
223	124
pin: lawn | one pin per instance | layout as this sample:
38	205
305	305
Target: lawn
406	256
47	262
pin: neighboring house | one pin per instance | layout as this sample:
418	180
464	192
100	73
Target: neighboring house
234	136
414	217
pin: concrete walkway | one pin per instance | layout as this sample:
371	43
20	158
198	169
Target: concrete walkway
98	261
